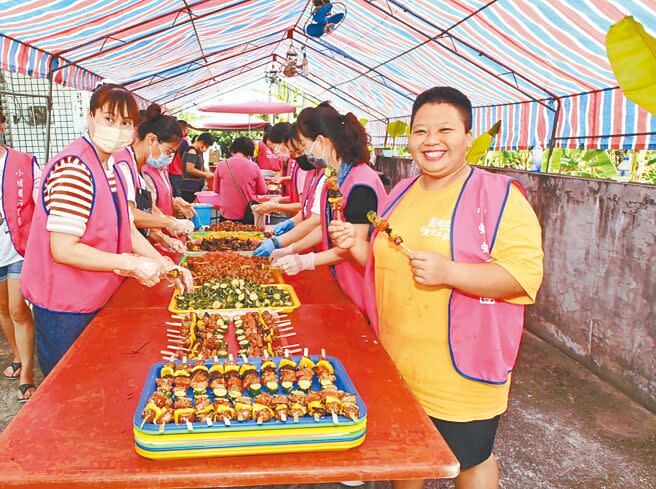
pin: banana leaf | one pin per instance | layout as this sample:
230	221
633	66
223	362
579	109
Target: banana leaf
396	128
482	143
554	163
604	165
632	55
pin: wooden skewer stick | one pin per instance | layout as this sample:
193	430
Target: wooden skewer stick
286	353
286	329
259	421
142	423
283	323
283	417
172	347
226	421
230	357
317	418
171	323
295	417
173	331
184	359
166	352
190	427
177	316
244	358
292	346
323	352
287	335
161	427
216	359
209	422
305	351
407	250
295	350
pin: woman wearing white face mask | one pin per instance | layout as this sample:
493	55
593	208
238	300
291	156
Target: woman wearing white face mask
156	139
82	241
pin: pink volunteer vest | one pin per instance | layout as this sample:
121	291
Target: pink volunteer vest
17	201
62	288
127	156
350	276
309	189
164	198
484	335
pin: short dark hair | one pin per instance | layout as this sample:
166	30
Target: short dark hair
182	122
205	138
243	145
345	132
119	99
445	95
279	133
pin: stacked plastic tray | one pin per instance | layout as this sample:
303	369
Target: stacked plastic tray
248	437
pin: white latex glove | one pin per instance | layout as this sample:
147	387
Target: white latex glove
182	279
174	244
279	253
293	264
184	207
179	276
145	270
180	227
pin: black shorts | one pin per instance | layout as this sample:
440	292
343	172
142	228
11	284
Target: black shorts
471	442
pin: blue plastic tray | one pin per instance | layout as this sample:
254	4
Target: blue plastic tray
343	383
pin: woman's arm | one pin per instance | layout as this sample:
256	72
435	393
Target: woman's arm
477	279
300	231
66	249
337	255
343	235
145	220
189	160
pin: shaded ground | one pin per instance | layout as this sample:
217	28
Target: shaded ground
565	427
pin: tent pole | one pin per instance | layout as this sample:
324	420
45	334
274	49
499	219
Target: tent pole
553	134
49	106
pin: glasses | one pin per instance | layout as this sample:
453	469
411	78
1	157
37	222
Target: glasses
165	150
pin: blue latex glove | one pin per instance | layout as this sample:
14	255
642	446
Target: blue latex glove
283	227
265	249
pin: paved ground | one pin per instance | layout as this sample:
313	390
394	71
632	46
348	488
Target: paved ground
565	428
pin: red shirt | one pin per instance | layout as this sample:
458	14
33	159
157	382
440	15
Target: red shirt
265	158
175	168
250	181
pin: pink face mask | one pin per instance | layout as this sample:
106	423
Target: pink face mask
111	139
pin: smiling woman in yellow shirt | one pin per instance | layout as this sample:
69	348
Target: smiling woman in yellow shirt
453	347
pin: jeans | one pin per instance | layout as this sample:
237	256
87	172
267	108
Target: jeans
55	333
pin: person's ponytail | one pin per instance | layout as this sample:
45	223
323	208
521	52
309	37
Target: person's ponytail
354	141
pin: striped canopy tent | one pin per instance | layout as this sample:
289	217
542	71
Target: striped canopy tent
539	66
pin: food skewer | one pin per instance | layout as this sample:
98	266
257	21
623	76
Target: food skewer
335	196
383	226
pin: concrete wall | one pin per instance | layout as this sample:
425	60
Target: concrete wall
597	302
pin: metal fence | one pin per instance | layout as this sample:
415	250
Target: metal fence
24	101
377	129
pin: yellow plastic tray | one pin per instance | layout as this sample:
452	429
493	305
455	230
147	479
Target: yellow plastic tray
228	234
296	303
254	450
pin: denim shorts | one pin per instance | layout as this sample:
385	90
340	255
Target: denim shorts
13	271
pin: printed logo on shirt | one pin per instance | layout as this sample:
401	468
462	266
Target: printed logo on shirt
437	228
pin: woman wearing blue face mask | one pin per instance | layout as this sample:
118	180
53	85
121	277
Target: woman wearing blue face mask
156	139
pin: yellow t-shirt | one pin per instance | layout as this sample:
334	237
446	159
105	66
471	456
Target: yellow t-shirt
413	319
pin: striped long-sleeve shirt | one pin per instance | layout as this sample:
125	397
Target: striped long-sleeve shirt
69	196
